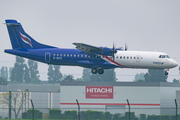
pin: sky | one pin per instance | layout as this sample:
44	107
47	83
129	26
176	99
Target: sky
145	25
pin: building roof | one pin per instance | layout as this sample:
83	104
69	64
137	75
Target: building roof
88	83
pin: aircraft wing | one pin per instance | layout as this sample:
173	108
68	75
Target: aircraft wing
88	48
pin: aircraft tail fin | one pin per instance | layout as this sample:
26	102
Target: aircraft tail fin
20	39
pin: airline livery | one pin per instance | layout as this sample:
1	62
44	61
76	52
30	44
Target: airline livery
96	58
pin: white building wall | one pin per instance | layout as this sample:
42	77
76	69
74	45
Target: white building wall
168	94
139	97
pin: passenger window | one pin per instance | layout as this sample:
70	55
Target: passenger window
54	54
127	57
77	55
60	54
134	57
71	55
131	57
81	55
74	55
137	57
85	55
124	57
67	55
116	57
120	57
57	54
64	55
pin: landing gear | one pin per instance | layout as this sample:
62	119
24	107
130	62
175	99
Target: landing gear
94	70
166	73
97	69
100	71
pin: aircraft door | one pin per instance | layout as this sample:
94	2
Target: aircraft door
47	57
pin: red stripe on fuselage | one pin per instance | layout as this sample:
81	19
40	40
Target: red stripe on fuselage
114	61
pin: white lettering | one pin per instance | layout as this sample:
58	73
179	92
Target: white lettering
89	90
99	90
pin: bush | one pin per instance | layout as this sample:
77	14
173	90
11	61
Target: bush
70	114
142	116
37	114
55	113
91	115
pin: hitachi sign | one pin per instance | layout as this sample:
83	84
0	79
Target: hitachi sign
99	90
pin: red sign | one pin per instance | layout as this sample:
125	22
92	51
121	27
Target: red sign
99	92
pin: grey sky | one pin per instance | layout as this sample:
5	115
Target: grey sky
146	25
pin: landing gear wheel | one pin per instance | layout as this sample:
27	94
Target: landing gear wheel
100	71
166	73
94	70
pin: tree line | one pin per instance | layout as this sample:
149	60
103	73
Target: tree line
29	74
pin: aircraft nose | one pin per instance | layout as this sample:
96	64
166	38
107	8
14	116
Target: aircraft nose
174	63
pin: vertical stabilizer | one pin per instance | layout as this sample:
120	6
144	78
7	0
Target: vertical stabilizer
20	39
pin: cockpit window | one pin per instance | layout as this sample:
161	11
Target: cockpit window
167	56
164	56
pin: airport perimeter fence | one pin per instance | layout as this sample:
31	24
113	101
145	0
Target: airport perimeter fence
92	114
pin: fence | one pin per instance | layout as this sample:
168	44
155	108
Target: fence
92	114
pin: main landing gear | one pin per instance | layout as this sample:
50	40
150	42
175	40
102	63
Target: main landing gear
97	69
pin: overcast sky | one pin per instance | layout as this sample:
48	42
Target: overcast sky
146	25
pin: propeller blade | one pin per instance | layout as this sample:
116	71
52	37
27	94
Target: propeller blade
113	51
126	47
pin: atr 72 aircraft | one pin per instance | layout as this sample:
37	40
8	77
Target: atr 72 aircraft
96	58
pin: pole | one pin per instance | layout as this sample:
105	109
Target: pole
129	108
176	107
9	104
32	109
78	109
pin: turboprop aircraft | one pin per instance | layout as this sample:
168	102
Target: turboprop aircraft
96	58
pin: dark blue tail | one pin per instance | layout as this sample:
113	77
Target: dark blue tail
20	39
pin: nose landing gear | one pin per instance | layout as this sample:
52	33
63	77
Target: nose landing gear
166	73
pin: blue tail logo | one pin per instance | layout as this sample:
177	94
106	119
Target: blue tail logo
26	39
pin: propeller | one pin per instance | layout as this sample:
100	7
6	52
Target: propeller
126	47
113	51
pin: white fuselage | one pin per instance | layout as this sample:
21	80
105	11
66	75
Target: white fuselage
144	60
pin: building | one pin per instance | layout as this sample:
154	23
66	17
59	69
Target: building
144	98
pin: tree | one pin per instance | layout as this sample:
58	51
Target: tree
17	72
109	75
36	80
4	72
86	74
69	78
79	79
154	75
33	69
175	81
139	77
54	74
17	100
27	75
3	81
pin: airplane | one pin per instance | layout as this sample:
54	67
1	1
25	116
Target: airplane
87	56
